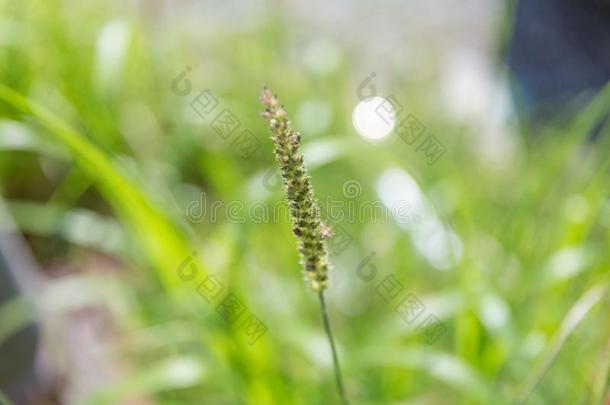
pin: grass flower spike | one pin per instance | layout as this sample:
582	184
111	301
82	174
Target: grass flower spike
308	227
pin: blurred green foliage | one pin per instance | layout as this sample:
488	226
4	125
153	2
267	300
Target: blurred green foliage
99	156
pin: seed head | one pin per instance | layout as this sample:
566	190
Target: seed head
310	231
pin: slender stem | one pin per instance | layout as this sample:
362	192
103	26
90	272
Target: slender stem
329	334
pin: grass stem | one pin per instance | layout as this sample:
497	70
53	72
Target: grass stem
329	334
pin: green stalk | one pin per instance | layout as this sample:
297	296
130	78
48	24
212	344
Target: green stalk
329	335
310	231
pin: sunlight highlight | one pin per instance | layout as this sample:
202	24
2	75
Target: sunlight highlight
374	118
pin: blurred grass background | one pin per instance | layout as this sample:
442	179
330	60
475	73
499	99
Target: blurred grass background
99	161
